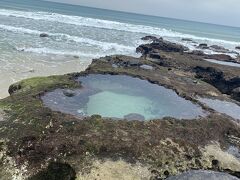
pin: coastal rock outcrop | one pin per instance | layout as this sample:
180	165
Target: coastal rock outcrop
187	39
220	57
41	142
149	38
219	49
203	46
44	35
160	44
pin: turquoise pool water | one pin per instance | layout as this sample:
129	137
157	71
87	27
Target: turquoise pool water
121	97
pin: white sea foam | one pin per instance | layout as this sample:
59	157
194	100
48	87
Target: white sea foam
59	52
106	24
19	29
49	51
104	45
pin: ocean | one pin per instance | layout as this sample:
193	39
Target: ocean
78	34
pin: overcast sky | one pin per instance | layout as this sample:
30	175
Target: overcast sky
213	11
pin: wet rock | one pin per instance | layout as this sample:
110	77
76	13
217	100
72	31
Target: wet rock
238	47
56	171
144	49
134	116
203	46
187	39
161	45
217	48
149	38
197	52
155	56
217	79
236	93
69	93
76	56
14	88
170	145
237	59
201	175
44	35
221	57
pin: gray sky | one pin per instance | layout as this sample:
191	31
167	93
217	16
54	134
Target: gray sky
213	11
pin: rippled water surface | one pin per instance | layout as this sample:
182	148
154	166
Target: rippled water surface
225	107
203	175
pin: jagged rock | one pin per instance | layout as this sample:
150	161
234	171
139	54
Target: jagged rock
187	39
69	93
149	38
197	52
221	57
203	46
169	145
155	56
220	49
161	44
44	35
144	49
217	79
236	93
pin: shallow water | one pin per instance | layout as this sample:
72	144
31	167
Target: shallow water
121	96
229	108
223	63
203	175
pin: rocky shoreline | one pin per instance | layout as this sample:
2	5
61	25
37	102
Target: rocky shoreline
38	143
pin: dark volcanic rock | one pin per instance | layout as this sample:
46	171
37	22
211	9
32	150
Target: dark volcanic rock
236	93
217	48
44	35
187	39
155	56
151	38
238	48
69	93
203	46
217	79
221	57
37	135
161	45
144	49
197	52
